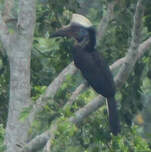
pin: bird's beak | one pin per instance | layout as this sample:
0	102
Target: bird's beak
64	31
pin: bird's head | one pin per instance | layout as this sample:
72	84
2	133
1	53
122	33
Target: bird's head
78	28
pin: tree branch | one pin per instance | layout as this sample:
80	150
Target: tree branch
54	127
36	143
133	49
143	47
87	110
51	90
76	93
105	20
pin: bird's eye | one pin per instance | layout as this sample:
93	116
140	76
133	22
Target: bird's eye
83	32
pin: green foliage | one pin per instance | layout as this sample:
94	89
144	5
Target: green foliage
130	142
2	133
4	87
86	138
131	94
51	56
116	41
25	113
147	13
66	128
37	91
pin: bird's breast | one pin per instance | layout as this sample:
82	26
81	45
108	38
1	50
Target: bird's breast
95	70
82	60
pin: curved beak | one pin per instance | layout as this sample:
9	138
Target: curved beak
65	31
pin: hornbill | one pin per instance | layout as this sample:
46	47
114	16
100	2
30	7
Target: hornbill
91	64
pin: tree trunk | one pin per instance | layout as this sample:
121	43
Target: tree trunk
18	47
19	59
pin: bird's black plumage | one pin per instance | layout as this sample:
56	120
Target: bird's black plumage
93	67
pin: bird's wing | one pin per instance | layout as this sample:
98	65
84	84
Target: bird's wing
101	76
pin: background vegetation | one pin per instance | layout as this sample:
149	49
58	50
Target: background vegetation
51	56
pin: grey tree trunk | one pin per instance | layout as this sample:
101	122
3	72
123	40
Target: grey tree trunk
18	47
19	59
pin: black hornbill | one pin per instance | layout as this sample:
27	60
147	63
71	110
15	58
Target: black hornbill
92	66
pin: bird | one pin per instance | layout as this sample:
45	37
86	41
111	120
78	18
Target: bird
91	64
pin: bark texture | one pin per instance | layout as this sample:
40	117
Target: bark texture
18	49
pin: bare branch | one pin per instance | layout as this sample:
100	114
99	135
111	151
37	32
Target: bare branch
133	49
51	90
143	47
76	93
53	129
86	110
35	144
108	16
141	50
47	146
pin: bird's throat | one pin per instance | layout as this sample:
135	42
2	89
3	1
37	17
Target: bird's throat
85	44
88	43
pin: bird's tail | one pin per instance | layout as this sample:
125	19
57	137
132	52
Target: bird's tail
113	116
